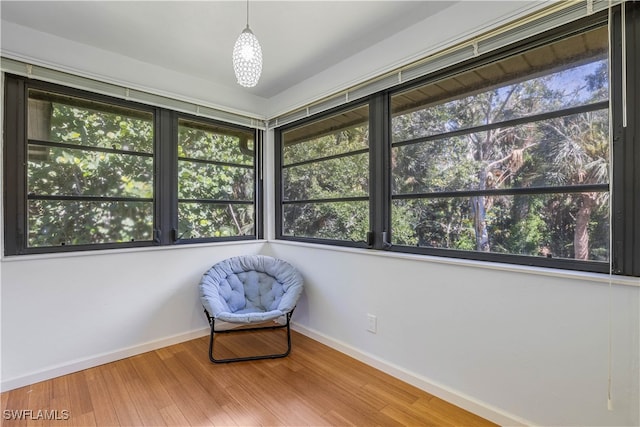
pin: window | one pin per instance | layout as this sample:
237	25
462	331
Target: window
509	157
85	171
325	178
216	181
505	157
89	172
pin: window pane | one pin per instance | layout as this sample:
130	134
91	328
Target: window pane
572	225
337	220
204	185
207	181
338	134
441	165
549	93
561	148
204	141
341	177
200	220
566	73
65	175
567	150
54	223
324	160
58	118
70	172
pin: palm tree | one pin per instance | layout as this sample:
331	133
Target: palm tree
580	156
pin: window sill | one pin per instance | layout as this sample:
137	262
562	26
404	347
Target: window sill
35	257
541	271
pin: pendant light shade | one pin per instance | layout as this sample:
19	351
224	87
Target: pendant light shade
247	57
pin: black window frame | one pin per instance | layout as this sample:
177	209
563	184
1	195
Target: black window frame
280	166
257	196
626	141
535	261
624	252
164	199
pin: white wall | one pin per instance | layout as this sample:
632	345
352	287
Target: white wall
512	346
65	313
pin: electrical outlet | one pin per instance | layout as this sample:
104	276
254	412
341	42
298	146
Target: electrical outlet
372	323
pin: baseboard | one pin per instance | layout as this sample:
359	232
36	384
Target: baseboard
443	392
100	359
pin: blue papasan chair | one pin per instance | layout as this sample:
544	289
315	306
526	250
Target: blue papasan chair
247	291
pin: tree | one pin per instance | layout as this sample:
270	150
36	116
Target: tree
230	180
65	171
567	150
581	156
320	179
108	152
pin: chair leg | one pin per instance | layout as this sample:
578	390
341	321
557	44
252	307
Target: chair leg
247	358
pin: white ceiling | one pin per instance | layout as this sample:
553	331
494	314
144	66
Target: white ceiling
299	38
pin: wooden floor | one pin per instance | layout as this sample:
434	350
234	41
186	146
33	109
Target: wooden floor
178	386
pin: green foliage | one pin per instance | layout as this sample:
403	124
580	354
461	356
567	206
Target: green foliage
199	220
216	182
61	171
75	223
77	172
569	150
340	142
232	180
346	176
336	220
198	141
96	128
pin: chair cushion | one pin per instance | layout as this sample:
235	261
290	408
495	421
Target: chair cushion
250	288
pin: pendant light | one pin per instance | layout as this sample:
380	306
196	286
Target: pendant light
247	57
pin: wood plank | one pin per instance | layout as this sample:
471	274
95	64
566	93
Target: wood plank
176	390
86	419
335	392
148	370
103	407
39	399
276	395
200	399
79	396
390	394
208	377
123	406
334	418
61	399
17	400
261	412
141	395
172	416
407	417
446	411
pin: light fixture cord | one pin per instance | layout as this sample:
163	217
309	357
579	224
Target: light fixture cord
247	13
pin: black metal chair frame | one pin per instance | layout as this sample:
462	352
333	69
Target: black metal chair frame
212	323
